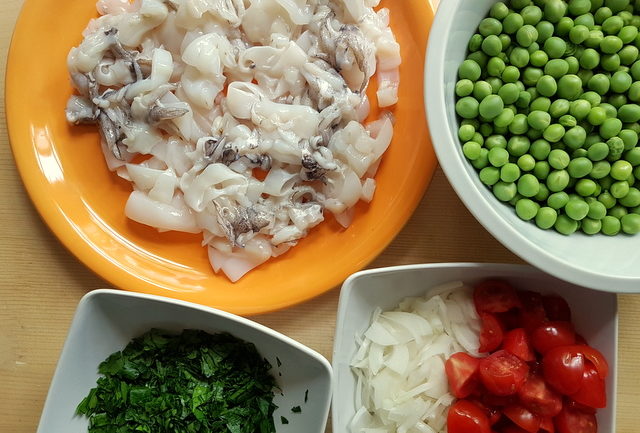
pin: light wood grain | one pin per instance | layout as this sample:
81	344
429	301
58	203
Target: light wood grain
41	283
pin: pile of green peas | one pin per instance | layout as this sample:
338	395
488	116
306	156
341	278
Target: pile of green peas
549	101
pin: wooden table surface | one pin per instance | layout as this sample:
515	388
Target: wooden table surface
41	283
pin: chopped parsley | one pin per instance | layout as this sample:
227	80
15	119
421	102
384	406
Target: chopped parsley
189	383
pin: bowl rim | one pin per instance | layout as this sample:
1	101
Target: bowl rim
461	181
96	295
347	289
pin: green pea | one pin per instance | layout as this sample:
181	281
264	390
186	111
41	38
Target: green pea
574	65
619	189
519	57
558	200
595	38
518	146
523	100
546	217
579	7
584	75
632	156
526	35
509	93
534	134
477	137
621	82
610	225
519	125
607	200
539	120
597	210
504	191
630	223
579	167
575	137
580	109
586	20
576	209
597	116
632	199
611	44
540	150
600	170
490	107
628	55
531	76
496	141
612	24
499	11
545	31
620	170
615	101
634	92
610	128
586	187
590	59
578	34
616	148
547	86
565	225
618	211
555	47
568	121
526	162
464	88
528	185
481	89
495	67
554	10
629	113
505	118
465	133
526	209
511	74
495	83
635	70
599	83
569	87
498	156
538	58
590	226
610	62
469	70
541	170
467	107
554	133
490	26
559	108
540	104
602	14
475	42
489	175
559	159
531	15
557	180
509	172
512	23
492	46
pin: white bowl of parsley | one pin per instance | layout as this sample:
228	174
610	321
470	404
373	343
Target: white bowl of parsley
135	362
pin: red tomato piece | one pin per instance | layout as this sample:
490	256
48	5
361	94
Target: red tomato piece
503	373
539	398
532	314
595	357
556	308
546	425
552	334
492	413
517	342
509	319
462	374
512	428
498	401
563	368
466	417
491	333
592	392
522	417
570	420
495	296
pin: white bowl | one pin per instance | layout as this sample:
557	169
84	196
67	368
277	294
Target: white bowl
600	262
106	320
594	315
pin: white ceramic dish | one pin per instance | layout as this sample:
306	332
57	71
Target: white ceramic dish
106	320
599	262
594	314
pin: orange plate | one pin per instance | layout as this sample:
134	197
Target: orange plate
83	203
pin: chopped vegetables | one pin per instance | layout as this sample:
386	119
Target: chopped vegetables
541	375
400	364
188	383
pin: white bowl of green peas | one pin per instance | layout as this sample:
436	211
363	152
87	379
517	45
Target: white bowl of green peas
534	111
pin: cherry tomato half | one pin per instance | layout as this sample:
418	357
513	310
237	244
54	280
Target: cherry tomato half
592	392
556	308
491	333
522	417
517	342
493	414
552	334
570	420
563	368
466	417
595	357
462	374
495	296
503	373
540	398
